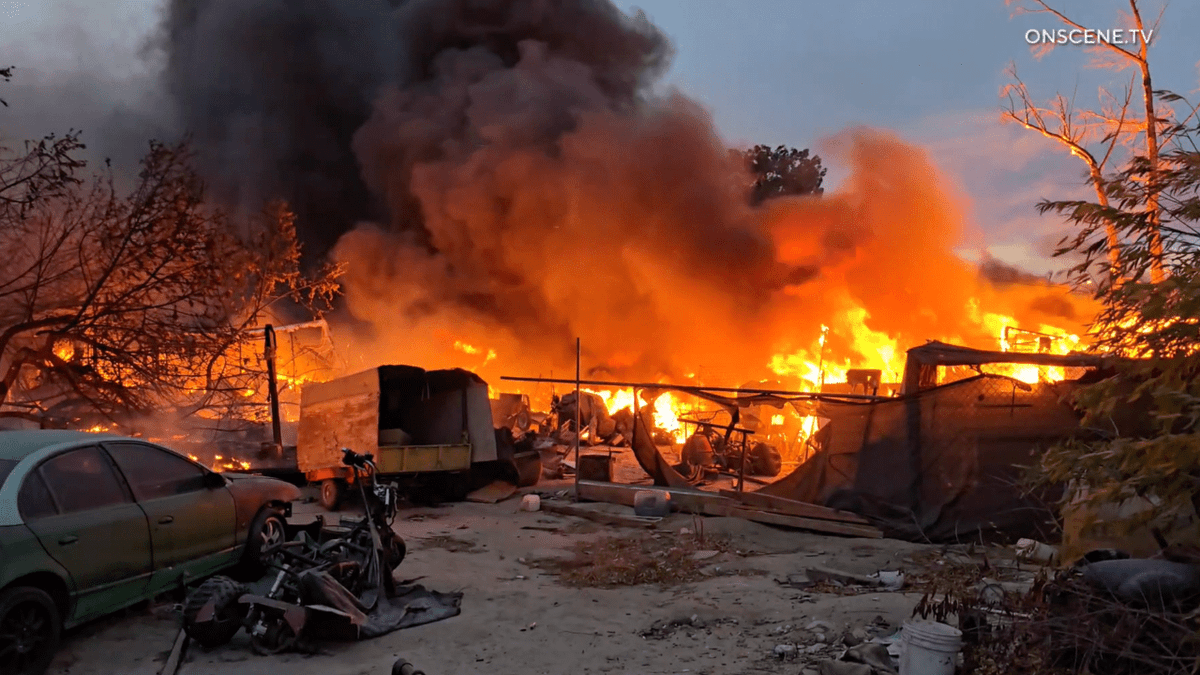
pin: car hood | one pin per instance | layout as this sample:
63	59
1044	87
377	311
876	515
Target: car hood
269	488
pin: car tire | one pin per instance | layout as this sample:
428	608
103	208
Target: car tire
333	491
228	613
268	529
31	623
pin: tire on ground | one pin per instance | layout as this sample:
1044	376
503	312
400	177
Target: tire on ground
228	613
397	550
26	599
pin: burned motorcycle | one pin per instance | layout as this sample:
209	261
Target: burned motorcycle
327	579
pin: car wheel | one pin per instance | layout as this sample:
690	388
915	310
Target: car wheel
30	627
333	491
267	531
227	612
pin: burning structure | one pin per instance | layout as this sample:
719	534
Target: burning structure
943	460
499	177
939	461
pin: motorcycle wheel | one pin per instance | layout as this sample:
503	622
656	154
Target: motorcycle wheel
279	637
396	551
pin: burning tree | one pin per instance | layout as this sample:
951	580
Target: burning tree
1140	255
114	304
1147	414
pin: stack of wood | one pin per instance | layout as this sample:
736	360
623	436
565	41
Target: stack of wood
753	506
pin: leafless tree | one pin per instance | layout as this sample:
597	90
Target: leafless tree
1075	130
1151	120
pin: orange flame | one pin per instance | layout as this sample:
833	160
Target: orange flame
472	350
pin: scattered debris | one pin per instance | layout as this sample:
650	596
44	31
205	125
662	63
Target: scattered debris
598	516
692	500
652	503
819	626
531	503
663	629
492	493
791	507
449	543
852	638
1036	551
660	558
1148	583
892	581
1076	620
785	652
403	667
177	653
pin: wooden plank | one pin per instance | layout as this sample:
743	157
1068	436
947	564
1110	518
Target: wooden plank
596	516
811	524
686	500
496	491
177	651
791	507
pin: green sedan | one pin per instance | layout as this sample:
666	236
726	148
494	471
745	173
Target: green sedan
91	524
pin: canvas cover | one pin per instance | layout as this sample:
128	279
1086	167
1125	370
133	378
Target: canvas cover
945	461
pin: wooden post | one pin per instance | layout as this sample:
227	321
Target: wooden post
578	412
271	352
742	468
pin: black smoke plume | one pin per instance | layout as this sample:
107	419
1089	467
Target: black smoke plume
273	91
501	176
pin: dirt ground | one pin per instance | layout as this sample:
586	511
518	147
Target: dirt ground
518	618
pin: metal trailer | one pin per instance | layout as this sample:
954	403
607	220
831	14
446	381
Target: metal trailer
419	425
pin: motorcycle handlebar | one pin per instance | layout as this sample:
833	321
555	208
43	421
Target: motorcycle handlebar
352	458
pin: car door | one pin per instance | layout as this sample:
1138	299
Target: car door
193	521
87	521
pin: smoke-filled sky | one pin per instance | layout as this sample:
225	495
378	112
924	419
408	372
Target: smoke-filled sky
774	71
513	173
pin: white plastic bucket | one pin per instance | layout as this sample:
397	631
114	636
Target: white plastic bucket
929	648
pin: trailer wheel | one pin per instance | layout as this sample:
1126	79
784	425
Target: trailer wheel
333	491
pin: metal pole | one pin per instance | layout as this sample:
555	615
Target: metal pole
272	386
578	407
821	361
742	468
695	388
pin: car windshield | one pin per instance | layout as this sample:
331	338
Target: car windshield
6	467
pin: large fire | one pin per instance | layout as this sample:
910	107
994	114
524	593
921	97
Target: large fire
668	409
813	369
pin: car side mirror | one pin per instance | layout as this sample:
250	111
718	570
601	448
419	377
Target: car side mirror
213	480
